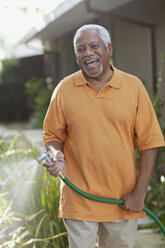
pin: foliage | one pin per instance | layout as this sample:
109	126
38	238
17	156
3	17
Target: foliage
155	197
29	200
12	96
39	98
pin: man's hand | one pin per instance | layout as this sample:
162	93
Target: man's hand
56	165
133	202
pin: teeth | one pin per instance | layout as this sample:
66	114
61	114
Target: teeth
91	61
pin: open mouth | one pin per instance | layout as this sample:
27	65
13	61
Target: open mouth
91	63
92	66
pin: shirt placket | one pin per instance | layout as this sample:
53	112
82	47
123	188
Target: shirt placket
96	93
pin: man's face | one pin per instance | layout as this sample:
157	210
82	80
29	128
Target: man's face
92	55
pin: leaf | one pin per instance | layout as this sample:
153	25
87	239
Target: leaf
37	240
39	225
31	217
56	236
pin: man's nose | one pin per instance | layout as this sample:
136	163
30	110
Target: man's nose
88	51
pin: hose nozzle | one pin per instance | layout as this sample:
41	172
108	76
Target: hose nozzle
46	156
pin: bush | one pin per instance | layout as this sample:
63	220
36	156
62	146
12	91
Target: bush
29	200
155	196
12	96
39	95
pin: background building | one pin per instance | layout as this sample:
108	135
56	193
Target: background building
137	28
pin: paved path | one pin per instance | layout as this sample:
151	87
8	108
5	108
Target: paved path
148	239
145	238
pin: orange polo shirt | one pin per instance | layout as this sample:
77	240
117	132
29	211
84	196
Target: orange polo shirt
100	131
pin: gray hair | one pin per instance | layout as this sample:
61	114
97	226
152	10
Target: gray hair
104	35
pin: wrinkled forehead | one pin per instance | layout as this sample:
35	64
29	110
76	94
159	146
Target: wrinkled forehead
86	36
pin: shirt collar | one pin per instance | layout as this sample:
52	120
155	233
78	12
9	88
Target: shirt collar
80	79
115	81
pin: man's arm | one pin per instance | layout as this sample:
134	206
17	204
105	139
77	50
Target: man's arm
56	150
135	200
55	144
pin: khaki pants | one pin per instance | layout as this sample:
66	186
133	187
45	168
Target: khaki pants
115	234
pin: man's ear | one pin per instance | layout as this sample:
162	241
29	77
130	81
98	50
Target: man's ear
110	49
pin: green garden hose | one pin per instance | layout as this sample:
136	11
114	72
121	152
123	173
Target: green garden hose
110	200
48	158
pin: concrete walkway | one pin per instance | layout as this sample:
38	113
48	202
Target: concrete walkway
145	238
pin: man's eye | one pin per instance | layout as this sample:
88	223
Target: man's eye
80	49
95	46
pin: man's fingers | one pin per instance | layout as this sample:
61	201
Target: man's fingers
56	154
54	168
54	171
48	165
129	206
57	163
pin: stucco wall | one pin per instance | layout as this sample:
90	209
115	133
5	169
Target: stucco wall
132	50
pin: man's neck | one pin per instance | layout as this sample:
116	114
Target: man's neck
100	82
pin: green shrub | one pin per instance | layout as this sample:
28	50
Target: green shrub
12	95
29	200
39	97
155	197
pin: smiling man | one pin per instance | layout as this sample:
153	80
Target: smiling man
96	118
93	57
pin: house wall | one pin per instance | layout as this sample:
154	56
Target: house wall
132	50
59	58
31	66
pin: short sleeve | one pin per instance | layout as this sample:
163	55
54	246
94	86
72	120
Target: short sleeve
54	122
147	130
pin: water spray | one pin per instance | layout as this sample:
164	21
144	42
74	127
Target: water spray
48	158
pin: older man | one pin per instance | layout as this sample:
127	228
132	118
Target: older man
96	118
